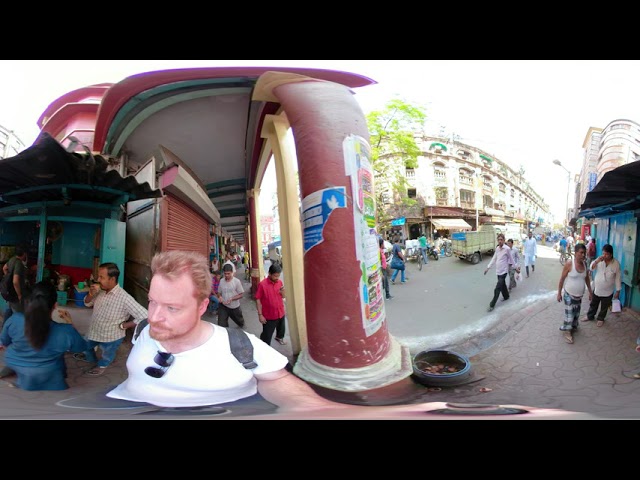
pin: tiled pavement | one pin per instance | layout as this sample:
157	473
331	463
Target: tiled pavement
523	361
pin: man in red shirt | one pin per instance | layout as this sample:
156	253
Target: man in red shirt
270	304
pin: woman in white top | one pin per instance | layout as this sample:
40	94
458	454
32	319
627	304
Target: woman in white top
573	280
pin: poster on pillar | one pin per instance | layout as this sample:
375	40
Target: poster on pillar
357	155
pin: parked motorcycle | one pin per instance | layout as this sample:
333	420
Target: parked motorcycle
433	253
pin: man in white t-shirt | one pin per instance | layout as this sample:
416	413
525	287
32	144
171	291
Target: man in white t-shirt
180	360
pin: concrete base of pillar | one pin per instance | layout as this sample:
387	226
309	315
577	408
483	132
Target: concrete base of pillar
396	366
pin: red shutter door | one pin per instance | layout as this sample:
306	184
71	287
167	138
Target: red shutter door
183	229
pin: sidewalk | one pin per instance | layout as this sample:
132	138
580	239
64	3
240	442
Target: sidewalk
523	360
20	404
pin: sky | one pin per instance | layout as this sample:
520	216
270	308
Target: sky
523	112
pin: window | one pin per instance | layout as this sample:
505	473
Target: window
410	173
467	196
502	188
465	177
411	192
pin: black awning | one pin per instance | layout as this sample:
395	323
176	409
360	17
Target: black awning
47	172
617	191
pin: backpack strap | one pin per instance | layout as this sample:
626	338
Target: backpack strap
239	343
139	327
241	347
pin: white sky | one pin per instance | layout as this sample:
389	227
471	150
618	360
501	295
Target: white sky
524	112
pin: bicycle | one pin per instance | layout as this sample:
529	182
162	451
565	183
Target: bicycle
415	254
564	257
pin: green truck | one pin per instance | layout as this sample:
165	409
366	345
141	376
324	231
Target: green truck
471	246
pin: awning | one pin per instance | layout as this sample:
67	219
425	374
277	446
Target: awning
438	145
449	223
47	172
617	191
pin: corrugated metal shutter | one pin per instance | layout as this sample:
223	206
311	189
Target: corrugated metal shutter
183	228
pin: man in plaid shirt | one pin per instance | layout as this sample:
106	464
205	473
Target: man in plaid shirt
112	308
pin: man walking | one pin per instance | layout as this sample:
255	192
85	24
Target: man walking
573	280
515	268
112	308
230	291
606	285
502	259
530	253
270	305
423	247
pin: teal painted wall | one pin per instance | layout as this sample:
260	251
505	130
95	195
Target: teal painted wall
75	247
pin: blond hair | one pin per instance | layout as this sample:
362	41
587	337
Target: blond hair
174	263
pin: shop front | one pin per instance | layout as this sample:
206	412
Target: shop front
66	209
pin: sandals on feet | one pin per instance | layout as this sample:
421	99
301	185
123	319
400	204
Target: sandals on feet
568	338
600	323
281	341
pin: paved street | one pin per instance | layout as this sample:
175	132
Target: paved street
517	354
446	303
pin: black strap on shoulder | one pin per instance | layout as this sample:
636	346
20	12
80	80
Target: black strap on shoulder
241	347
238	341
139	327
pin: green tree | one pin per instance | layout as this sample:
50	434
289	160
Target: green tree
392	133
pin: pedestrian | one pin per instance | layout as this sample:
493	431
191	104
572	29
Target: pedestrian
503	260
16	266
214	302
562	245
385	269
423	247
397	261
515	268
229	259
606	285
215	264
196	366
570	243
591	253
36	344
270	304
230	291
112	308
573	281
530	250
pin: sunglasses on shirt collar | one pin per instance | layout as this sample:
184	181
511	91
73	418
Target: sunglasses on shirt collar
164	360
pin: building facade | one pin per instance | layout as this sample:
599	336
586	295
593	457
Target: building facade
605	149
10	144
458	181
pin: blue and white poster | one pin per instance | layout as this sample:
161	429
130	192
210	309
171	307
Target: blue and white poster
316	209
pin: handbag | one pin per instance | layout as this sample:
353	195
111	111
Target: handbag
518	277
616	307
397	264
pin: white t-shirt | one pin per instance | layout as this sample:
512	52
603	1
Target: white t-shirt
206	375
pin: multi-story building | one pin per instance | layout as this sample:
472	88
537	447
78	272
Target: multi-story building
10	144
462	187
604	150
619	145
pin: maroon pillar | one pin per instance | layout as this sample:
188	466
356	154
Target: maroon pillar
255	254
322	115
